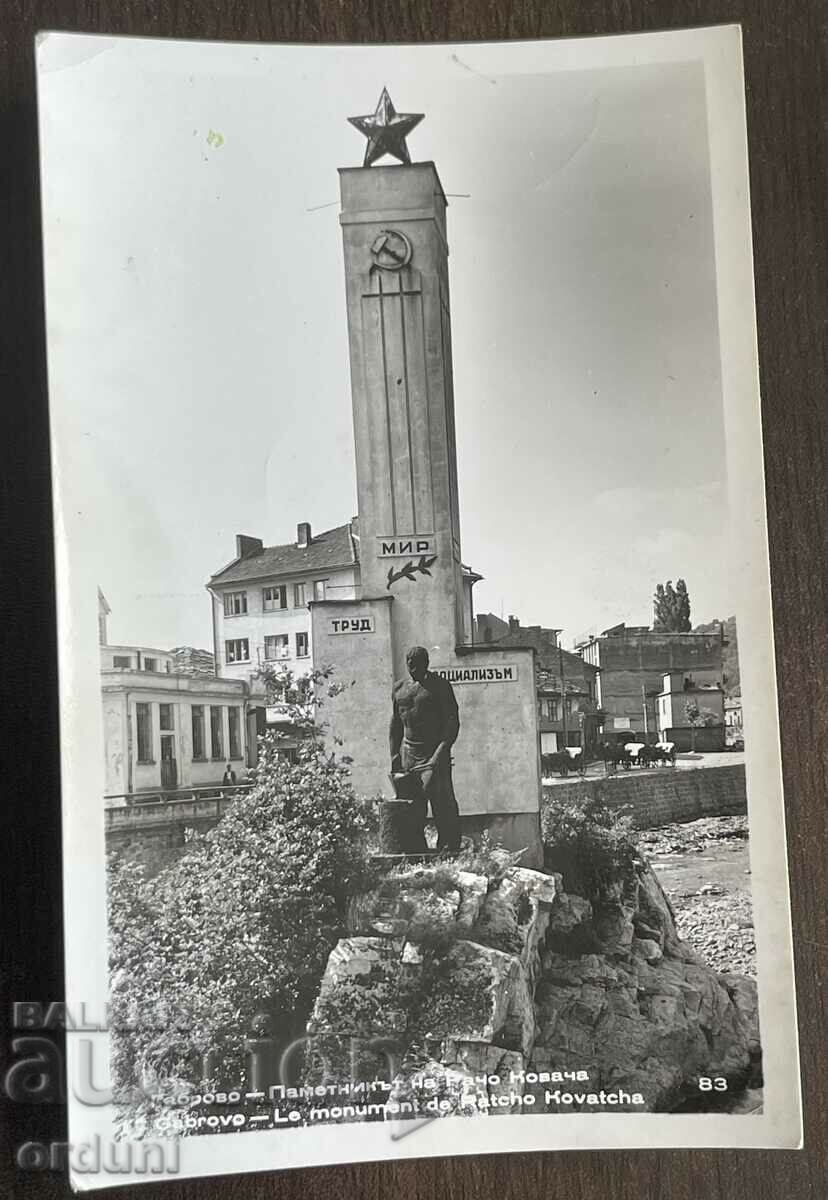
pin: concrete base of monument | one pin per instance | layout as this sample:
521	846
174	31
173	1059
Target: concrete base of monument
401	828
515	831
402	839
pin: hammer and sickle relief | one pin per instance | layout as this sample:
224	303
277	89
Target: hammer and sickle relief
391	251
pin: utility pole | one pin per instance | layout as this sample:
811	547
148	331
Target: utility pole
644	703
563	698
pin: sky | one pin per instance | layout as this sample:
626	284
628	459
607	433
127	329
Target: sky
199	377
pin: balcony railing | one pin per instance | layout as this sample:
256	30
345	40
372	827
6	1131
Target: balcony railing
172	796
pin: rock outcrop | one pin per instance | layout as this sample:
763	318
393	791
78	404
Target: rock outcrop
492	990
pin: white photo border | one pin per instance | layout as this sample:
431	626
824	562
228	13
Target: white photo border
779	1125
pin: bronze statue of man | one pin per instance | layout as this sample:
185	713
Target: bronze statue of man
424	727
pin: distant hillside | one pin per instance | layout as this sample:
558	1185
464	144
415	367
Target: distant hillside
731	653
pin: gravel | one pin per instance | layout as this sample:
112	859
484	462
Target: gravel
720	929
715	918
694	836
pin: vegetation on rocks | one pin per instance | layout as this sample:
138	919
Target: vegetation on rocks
238	931
591	845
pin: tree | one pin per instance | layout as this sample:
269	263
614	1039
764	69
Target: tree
663	606
236	932
671	608
699	718
682	607
301	697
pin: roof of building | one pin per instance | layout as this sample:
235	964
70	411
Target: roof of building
639	631
470	573
488	626
337	547
539	636
153	650
171	682
550	654
549	684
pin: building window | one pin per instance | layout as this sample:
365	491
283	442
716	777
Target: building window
165	718
276	646
150	664
553	710
319	589
237	650
198	731
143	723
235	604
273	598
301	645
234	729
299	600
121	661
216	739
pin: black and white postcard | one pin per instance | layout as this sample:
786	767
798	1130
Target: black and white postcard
421	770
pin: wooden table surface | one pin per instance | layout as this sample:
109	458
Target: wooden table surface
786	64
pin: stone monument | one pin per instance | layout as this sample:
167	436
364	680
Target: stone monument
414	588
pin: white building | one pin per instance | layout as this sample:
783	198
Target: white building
169	732
701	688
167	729
260	601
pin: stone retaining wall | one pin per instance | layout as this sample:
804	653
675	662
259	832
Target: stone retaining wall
664	795
154	848
464	989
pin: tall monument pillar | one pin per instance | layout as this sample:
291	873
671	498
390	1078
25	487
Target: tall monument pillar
396	274
393	222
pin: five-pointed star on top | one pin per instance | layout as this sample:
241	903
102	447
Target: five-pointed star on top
386	131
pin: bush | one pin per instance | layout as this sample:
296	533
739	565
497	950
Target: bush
240	928
590	845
